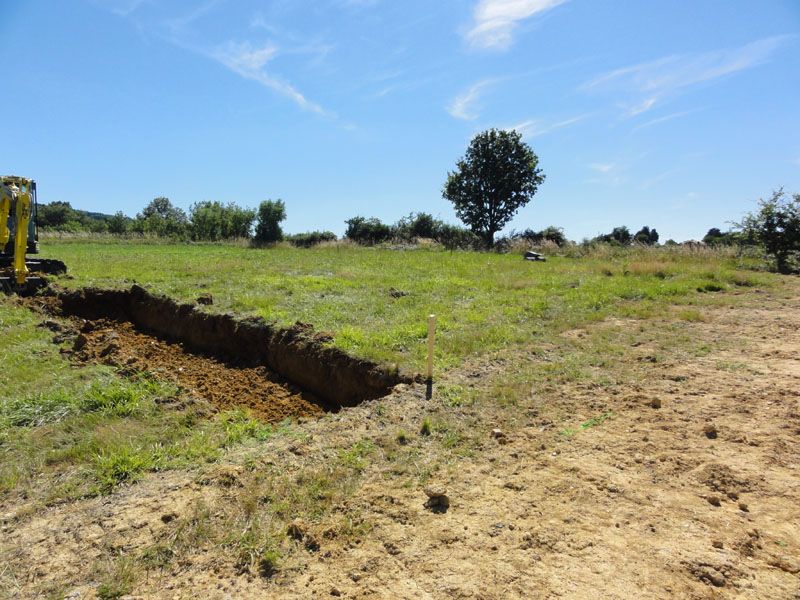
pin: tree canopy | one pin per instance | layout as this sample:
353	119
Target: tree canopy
646	236
776	225
497	176
268	228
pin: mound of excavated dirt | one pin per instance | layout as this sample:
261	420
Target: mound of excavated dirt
225	386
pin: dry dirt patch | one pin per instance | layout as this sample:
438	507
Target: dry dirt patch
226	386
643	504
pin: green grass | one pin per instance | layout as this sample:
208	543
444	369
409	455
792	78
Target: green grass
483	301
68	432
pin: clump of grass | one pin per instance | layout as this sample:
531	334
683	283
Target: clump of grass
122	465
355	456
269	562
710	287
742	280
426	428
452	395
157	557
650	268
112	398
593	422
238	425
692	316
402	437
118	579
256	548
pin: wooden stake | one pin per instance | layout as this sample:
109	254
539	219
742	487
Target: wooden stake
431	338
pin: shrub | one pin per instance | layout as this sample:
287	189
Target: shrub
716	237
270	215
212	221
646	236
619	236
311	238
776	226
367	231
454	237
161	218
418	225
548	234
119	224
55	215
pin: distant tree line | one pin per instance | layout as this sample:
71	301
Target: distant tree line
207	221
410	229
621	236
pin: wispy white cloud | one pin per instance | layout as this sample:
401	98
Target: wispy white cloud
536	127
652	181
244	58
665	118
602	167
259	21
464	105
648	84
496	20
250	62
609	173
122	8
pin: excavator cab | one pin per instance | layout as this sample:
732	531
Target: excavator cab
19	236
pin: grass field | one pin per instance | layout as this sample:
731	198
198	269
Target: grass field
483	301
71	432
88	430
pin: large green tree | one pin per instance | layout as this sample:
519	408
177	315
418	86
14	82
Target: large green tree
497	176
776	225
161	218
268	228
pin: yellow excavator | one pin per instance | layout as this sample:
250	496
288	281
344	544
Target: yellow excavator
19	236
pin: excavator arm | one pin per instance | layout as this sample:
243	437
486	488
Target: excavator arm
23	214
6	199
18	237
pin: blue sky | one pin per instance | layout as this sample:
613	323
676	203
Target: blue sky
674	114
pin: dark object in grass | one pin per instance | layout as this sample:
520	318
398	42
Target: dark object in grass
534	256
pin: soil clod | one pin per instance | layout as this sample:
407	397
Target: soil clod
437	498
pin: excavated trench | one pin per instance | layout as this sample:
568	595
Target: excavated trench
231	362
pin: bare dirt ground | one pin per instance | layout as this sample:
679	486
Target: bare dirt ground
672	471
224	385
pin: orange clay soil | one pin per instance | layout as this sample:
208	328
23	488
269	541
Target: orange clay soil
225	386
